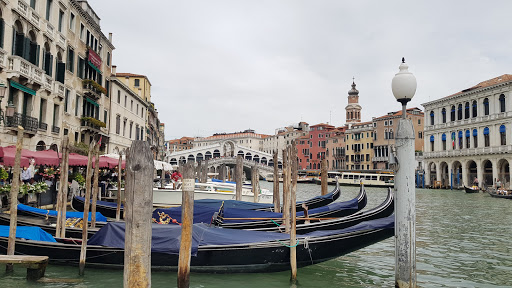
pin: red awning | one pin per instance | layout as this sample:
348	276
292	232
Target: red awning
8	155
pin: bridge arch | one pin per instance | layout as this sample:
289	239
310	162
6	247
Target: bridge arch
191	158
229	148
248	156
216	153
199	157
256	158
207	155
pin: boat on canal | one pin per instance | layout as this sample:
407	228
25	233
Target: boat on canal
501	193
472	189
218	250
368	179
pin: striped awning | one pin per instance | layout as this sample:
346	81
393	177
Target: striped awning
20	87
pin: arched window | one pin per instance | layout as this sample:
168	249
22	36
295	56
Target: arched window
391	136
475	110
487	141
386	135
475	138
502	103
452	114
432	143
486	106
453	140
459	112
443	137
432	118
443	112
468	137
466	110
2	31
460	139
503	135
118	124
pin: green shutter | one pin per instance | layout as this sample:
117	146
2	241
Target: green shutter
2	32
37	55
26	49
13	41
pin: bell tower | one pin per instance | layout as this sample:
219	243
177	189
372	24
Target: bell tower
353	108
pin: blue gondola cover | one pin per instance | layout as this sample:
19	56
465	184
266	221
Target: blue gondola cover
99	216
28	232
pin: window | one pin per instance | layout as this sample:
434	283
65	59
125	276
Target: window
81	68
419	121
72	22
460	139
108	58
77	105
137	132
420	135
82	29
66	100
118	96
443	113
131	129
137	83
390	122
33	4
487	141
118	124
475	138
432	118
503	135
486	106
502	103
453	140
385	123
459	112
105	115
131	105
48	9
386	134
137	110
452	114
466	110
432	143
474	109
124	127
125	100
61	20
443	138
468	134
391	136
71	60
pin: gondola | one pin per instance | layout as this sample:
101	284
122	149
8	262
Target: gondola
471	189
217	250
109	208
493	193
204	214
385	209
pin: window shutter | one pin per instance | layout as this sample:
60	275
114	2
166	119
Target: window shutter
51	64
26	49
61	67
2	32
37	55
13	41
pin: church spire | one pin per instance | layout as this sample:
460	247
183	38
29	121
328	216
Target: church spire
353	108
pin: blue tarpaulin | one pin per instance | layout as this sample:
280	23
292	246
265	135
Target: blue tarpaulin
22	207
203	214
28	232
166	238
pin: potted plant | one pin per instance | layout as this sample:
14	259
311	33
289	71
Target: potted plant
3	176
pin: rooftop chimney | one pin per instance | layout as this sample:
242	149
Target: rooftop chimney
114	68
110	37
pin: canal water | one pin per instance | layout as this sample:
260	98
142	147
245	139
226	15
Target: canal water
463	240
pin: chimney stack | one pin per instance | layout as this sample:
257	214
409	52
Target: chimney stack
114	68
110	37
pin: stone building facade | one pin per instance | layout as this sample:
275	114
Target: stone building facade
467	135
284	137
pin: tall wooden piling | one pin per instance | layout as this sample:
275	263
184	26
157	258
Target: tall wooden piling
222	172
119	170
323	177
62	195
275	193
286	192
293	203
238	174
95	188
87	203
15	189
138	207
187	219
255	181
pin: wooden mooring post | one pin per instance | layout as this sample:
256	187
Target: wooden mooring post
63	190
13	197
87	203
293	203
138	207
255	181
187	219
323	177
275	193
286	192
238	174
95	188
119	170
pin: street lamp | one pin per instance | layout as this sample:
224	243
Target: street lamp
404	87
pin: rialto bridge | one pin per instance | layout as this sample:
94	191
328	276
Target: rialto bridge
225	153
461	167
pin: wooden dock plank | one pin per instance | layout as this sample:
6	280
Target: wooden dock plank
36	265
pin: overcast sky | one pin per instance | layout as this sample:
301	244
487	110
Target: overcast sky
227	66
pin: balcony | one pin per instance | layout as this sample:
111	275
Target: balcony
61	40
50	31
93	89
55	129
30	124
380	159
504	149
19	67
59	89
43	126
92	124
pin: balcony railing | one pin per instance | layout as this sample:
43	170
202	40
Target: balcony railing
30	124
90	125
43	126
59	89
470	152
55	129
21	67
91	90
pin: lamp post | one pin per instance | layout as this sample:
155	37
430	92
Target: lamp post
404	87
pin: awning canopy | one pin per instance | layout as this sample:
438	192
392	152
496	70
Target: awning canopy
502	129
486	131
94	67
444	137
92	102
22	88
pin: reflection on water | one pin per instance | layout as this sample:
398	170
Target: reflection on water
463	240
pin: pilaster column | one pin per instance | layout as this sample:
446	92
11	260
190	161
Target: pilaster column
438	171
494	170
465	172
479	172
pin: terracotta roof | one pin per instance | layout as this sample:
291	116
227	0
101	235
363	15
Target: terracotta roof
497	80
323	125
129	75
399	113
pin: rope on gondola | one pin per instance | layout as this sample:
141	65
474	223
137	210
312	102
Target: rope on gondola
289	245
275	222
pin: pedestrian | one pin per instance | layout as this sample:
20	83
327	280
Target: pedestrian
176	176
167	177
25	175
